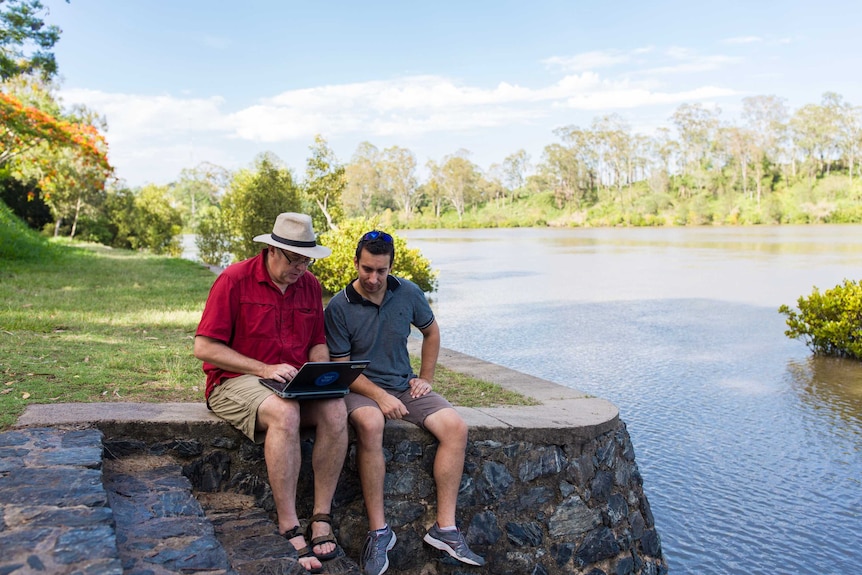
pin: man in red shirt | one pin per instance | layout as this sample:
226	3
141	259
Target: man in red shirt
264	319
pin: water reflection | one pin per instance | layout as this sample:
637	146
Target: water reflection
829	383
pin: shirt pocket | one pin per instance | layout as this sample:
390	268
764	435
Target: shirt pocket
258	320
304	322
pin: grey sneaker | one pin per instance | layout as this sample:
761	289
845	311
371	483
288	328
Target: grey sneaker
453	543
374	552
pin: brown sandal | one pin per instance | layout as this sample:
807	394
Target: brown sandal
304	552
322	518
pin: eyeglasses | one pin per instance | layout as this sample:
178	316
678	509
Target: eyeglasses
377	234
298	262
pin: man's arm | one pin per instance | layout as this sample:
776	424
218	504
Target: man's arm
430	351
224	357
421	385
318	352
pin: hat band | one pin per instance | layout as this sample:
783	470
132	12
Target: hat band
310	244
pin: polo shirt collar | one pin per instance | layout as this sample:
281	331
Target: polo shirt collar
353	296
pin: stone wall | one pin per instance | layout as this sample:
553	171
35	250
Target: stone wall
547	489
531	500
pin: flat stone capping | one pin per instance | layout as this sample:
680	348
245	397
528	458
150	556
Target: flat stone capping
562	407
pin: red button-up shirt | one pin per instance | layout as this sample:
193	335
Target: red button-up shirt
248	312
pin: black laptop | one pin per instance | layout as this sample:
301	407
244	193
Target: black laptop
319	380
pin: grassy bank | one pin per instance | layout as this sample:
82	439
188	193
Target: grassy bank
85	323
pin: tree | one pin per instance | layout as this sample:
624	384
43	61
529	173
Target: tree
766	117
613	145
253	201
398	178
212	237
199	188
562	173
810	130
697	127
62	155
144	219
514	171
363	180
324	184
741	145
458	178
25	40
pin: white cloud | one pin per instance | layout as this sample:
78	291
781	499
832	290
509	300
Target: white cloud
743	40
133	115
588	60
169	132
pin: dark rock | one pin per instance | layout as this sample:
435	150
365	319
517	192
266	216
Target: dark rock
617	509
562	553
78	545
573	517
534	498
483	529
524	534
601	485
625	566
581	470
651	543
407	451
598	545
186	447
541	462
636	521
209	473
117	448
495	481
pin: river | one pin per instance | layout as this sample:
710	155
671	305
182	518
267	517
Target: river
750	448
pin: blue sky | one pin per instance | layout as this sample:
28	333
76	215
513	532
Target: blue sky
186	81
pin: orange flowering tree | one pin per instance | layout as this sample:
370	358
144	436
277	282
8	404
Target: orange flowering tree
65	159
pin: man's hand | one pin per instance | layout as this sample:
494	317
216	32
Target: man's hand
419	387
391	406
280	372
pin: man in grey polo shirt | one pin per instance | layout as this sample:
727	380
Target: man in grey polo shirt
370	319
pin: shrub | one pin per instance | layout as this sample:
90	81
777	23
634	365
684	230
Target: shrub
213	238
337	270
829	323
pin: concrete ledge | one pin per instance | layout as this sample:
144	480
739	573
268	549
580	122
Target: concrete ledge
562	407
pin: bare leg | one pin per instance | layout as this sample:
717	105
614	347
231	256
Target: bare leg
451	431
280	420
369	423
329	418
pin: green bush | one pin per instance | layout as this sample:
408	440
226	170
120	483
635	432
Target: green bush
337	270
829	323
213	238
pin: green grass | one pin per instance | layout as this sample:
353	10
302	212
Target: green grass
87	323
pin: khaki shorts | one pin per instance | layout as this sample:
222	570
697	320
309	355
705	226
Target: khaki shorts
419	407
236	401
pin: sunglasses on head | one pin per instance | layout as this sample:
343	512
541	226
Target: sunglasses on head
376	235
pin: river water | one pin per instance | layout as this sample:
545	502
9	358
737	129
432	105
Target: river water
750	448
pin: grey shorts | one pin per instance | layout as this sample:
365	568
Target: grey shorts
236	401
419	407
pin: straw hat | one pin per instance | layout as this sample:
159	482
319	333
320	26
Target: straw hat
294	233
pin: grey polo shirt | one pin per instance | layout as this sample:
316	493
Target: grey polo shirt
358	328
